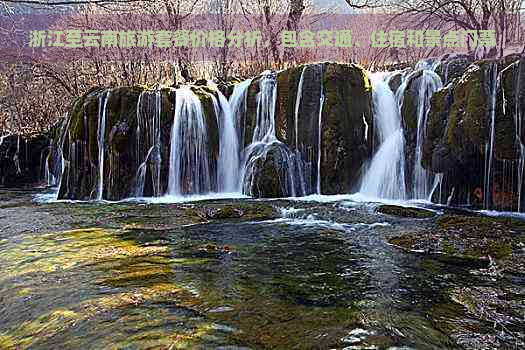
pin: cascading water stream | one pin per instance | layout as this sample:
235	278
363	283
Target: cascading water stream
238	107
148	141
189	171
430	82
385	176
264	140
228	162
297	107
58	155
266	100
319	137
519	137
16	156
489	146
49	178
299	162
102	105
141	169
264	133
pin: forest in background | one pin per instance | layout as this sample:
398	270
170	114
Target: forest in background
34	93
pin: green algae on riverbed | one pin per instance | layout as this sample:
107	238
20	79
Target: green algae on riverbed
416	213
135	275
469	237
252	274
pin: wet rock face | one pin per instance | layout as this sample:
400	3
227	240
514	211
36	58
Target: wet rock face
347	127
227	85
81	145
396	79
452	69
22	160
270	176
458	130
129	142
409	111
346	122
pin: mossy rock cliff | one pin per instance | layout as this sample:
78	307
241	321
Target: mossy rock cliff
458	131
346	121
123	153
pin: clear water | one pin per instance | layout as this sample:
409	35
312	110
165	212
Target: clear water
314	275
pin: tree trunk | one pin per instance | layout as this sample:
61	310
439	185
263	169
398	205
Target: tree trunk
292	24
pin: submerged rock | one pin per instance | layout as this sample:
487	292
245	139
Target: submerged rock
470	237
405	211
270	174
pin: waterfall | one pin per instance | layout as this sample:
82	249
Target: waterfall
16	156
189	170
319	137
48	175
297	105
102	109
438	183
141	169
489	146
58	152
385	175
430	82
228	162
298	160
238	107
148	141
264	140
518	126
264	133
266	100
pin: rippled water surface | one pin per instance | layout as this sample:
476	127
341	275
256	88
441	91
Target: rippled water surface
158	276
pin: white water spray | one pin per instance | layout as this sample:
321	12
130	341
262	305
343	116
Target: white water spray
430	82
297	107
238	106
519	137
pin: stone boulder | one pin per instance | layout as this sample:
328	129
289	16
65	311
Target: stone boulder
270	174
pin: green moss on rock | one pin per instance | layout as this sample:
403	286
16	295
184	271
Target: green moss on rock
405	211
